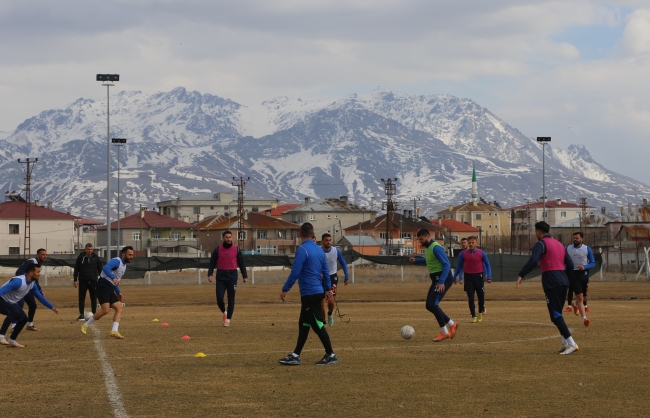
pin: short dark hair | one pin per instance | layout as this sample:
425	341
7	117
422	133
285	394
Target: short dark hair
88	245
325	235
579	233
32	267
542	226
225	233
464	239
472	237
423	232
39	250
127	248
306	230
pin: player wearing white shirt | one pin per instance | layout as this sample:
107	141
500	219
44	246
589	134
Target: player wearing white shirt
333	256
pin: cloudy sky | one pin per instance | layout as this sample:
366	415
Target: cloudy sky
578	71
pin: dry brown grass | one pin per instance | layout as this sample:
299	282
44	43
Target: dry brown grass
505	366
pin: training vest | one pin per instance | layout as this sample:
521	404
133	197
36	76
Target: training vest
227	257
433	264
118	272
553	259
473	262
578	255
332	258
17	295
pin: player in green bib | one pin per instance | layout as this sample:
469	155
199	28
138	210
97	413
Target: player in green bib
441	280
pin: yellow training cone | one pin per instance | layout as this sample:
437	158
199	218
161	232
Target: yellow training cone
199	354
155	320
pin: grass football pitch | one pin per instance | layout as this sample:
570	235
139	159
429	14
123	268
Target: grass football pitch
505	366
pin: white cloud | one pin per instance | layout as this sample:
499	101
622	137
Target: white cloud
636	36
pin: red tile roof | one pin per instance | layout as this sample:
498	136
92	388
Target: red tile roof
16	210
278	211
152	219
254	221
455	226
408	224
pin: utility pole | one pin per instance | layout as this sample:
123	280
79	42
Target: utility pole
415	207
240	184
583	216
544	140
390	206
29	167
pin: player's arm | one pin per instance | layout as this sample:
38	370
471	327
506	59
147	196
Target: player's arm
10	286
538	251
108	270
592	260
418	260
440	254
213	263
242	265
42	299
459	267
298	262
344	265
568	262
77	266
486	267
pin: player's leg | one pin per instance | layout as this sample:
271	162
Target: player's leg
117	316
469	289
7	321
293	359
584	293
221	291
432	304
92	290
20	319
231	288
555	298
317	323
331	302
480	293
83	288
569	300
30	300
106	297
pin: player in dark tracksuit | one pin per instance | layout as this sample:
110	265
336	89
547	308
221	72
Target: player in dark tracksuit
30	300
555	262
226	258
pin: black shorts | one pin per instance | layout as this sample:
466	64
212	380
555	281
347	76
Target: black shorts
579	286
473	281
311	310
334	279
106	293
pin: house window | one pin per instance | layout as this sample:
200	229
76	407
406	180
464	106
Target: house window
261	235
176	235
282	234
462	218
454	237
336	216
407	250
156	235
14	228
407	235
242	235
479	217
563	214
382	235
256	209
14	250
312	217
211	207
266	249
226	208
294	234
136	236
197	210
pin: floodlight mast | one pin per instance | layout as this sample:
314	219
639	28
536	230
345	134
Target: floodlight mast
107	80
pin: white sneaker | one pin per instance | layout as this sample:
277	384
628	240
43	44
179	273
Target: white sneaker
562	348
569	350
3	341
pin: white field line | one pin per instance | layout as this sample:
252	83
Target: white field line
114	398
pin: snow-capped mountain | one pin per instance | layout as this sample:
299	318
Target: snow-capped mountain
183	142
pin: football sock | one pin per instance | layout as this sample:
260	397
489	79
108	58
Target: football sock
450	323
225	312
2	336
116	325
90	321
564	341
584	317
30	324
444	330
571	342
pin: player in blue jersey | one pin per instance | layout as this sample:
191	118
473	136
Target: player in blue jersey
11	293
108	291
334	257
583	260
313	276
41	258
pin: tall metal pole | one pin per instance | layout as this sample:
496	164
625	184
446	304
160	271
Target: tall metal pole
28	202
119	208
108	173
544	181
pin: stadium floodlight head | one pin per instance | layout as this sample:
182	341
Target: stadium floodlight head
543	139
118	140
108	77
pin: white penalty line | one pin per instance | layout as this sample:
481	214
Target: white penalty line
114	398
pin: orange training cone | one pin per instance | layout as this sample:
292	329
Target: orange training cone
185	337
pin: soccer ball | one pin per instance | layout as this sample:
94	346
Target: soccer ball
407	332
87	315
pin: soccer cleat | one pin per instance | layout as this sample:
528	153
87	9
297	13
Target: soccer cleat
328	359
452	330
441	337
480	317
474	320
3	341
32	328
224	318
84	329
290	360
14	344
562	348
116	335
570	349
586	322
330	320
576	310
226	323
587	309
81	318
568	309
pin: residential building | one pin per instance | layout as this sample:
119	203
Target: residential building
149	230
365	245
196	207
261	232
55	231
557	212
402	229
488	217
330	215
277	211
454	231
